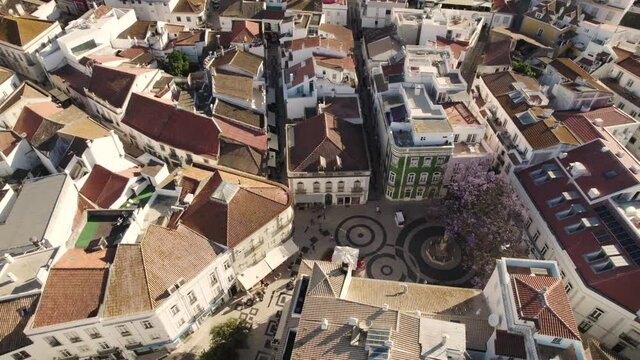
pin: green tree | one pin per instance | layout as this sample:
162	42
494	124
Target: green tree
523	68
226	339
177	64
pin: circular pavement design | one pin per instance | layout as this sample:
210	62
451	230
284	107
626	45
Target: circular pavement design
412	240
361	232
386	267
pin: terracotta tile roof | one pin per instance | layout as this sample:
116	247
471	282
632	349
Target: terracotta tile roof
240	87
341	34
20	31
393	69
612	284
169	255
380	46
326	136
27	90
190	38
456	46
236	113
341	64
75	79
542	300
161	121
127	291
582	128
113	85
241	60
621	53
12	326
137	30
241	157
569	69
498	52
343	107
244	31
32	118
74	288
104	187
232	132
631	64
459	114
300	71
256	203
101	11
189	6
510	345
5	74
8	141
582	123
547	133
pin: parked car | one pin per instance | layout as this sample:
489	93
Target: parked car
399	218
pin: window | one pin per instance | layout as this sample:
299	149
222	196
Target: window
394	160
436	177
147	324
556	341
544	249
596	314
584	326
175	309
154	336
189	18
389	192
73	337
93	333
192	297
535	236
213	279
20	355
441	160
411	178
527	224
230	278
620	346
633	114
316	186
630	340
407	192
392	177
122	329
471	138
423	178
328	186
568	288
426	162
52	341
66	353
420	192
629	83
388	12
340	186
227	265
620	106
456	137
104	346
539	33
181	322
414	162
178	19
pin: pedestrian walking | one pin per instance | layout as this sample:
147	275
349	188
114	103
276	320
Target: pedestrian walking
378	210
331	237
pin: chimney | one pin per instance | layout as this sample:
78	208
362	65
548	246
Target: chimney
385	307
291	78
12	277
324	324
8	258
416	90
445	337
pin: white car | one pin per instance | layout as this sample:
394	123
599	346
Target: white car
399	218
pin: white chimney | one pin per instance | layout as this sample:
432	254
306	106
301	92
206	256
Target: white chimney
291	78
353	321
385	307
8	258
598	122
324	324
635	169
12	277
604	149
416	90
562	155
593	193
578	169
445	337
188	199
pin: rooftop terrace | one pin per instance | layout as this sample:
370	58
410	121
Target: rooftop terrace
110	225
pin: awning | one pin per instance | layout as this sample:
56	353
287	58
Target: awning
250	277
346	254
278	255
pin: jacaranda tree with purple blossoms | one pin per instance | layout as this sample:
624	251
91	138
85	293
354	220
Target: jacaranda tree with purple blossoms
485	216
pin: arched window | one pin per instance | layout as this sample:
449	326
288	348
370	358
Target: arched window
328	186
357	185
340	186
316	187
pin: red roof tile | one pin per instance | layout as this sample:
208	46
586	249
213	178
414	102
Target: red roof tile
327	136
299	71
232	132
104	187
256	203
113	85
631	64
510	345
613	284
8	141
344	107
12	326
32	117
542	299
161	121
456	46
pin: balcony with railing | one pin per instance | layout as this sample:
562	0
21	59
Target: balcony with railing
357	190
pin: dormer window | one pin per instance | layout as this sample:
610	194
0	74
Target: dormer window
573	210
539	15
583	224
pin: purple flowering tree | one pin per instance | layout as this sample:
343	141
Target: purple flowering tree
485	216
